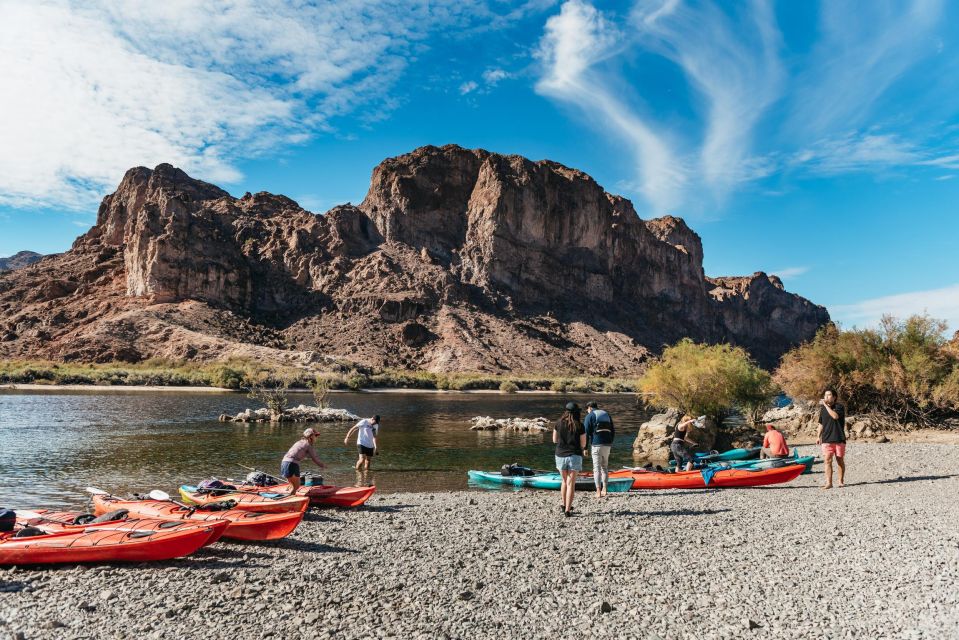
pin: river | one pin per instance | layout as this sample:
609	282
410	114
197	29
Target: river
55	443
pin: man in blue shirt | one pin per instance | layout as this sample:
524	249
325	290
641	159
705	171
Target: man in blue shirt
599	437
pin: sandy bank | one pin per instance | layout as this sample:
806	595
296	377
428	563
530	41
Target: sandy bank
877	558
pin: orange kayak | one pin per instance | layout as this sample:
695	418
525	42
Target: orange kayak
327	495
643	479
65	522
100	545
266	501
241	524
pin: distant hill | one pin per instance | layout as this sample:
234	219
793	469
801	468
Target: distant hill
19	260
457	260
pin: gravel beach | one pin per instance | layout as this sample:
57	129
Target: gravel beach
877	558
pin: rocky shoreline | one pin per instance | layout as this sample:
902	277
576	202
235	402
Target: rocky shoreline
877	558
300	413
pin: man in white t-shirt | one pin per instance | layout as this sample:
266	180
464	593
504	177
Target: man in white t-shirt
367	430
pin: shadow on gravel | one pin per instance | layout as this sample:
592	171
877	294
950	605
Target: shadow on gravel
392	508
904	479
13	586
309	547
672	512
320	517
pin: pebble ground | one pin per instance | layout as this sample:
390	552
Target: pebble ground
878	558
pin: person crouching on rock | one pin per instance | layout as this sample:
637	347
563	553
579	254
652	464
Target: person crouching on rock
290	466
599	439
682	445
774	444
367	430
570	439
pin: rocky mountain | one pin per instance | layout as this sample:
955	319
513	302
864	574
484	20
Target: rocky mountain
457	260
19	260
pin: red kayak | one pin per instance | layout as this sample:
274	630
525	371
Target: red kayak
77	521
99	545
266	500
320	495
643	479
241	524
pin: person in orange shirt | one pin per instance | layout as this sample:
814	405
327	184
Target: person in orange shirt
774	444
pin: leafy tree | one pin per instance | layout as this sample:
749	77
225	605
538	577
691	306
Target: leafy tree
902	371
701	379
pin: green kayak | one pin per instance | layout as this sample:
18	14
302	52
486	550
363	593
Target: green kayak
546	481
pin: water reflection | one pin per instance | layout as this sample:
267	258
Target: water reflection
53	444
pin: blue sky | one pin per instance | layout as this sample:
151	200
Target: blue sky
816	141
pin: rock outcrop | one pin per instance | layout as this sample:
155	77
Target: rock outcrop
19	260
456	260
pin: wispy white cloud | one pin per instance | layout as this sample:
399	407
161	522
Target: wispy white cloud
92	88
468	87
863	49
734	65
939	303
789	272
493	77
577	40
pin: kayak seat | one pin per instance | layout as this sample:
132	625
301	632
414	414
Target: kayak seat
84	518
29	532
222	505
110	516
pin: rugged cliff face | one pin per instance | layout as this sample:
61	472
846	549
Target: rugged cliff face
457	260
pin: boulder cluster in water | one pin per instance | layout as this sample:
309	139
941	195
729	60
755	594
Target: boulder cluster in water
301	413
486	423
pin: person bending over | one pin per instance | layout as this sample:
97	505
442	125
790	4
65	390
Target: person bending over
367	431
290	466
682	445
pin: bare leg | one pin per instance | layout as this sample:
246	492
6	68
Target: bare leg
570	489
827	464
294	483
366	462
359	463
841	463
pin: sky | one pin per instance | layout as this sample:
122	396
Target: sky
816	141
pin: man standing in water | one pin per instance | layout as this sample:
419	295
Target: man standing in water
832	435
599	438
367	430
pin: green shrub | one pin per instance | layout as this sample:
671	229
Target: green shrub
904	370
356	381
709	380
508	386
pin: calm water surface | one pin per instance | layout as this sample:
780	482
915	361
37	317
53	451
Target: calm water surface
55	443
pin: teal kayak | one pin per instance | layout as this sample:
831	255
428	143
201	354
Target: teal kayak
771	463
732	454
546	481
725	456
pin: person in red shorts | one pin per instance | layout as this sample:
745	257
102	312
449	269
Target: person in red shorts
774	444
832	435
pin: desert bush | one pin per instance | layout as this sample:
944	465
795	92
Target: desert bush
356	381
708	380
321	390
508	386
903	371
271	388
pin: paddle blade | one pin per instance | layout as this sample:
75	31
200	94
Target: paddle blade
97	492
156	494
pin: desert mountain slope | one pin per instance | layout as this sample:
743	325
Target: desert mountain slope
457	260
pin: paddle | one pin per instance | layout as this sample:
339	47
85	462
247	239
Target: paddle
163	496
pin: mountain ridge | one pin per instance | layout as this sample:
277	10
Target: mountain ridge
456	260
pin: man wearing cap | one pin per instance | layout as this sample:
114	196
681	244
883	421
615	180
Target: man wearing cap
774	444
290	467
366	431
599	440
